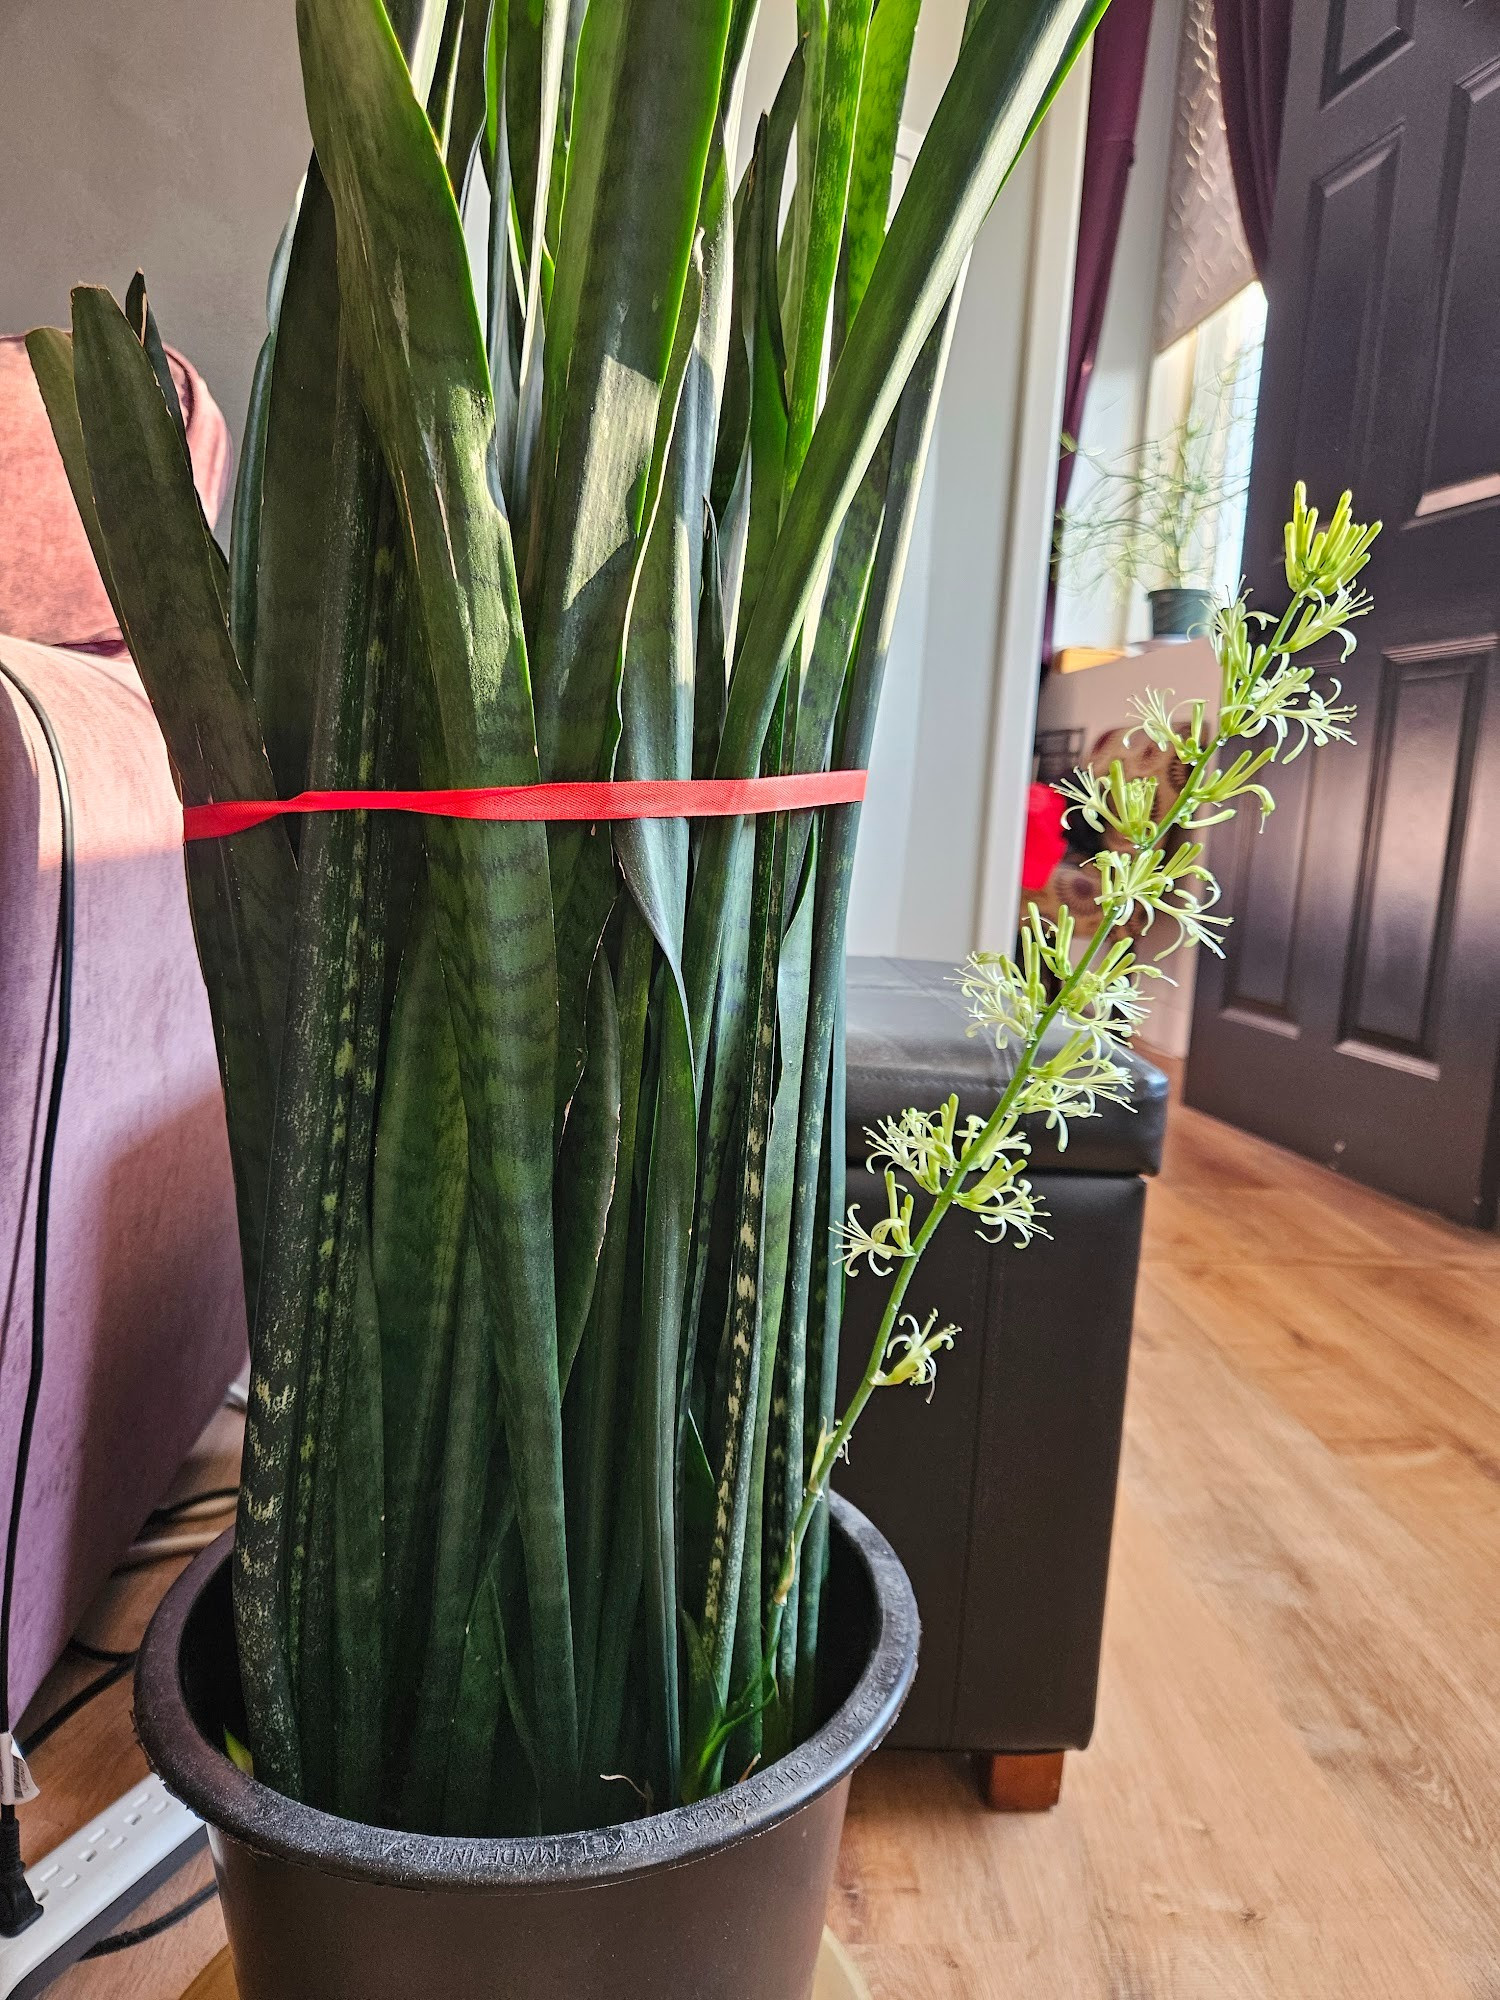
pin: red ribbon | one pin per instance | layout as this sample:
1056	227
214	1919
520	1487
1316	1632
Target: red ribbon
627	798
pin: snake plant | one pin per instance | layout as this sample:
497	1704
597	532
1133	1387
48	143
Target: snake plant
537	1131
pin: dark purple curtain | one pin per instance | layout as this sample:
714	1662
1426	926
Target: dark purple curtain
1109	153
1254	37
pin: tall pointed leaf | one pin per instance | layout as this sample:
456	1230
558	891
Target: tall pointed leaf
145	514
1013	62
411	322
828	195
419	1230
167	588
661	117
295	489
888	51
1011	66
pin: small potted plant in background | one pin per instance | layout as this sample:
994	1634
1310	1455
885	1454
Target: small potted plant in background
1151	515
543	1661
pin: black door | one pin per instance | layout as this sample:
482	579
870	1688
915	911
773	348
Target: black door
1357	1014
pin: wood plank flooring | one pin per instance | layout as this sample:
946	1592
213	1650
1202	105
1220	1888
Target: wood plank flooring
1294	1791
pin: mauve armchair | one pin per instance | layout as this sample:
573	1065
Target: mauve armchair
145	1309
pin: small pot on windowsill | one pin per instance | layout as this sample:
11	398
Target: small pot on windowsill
1180	614
724	1898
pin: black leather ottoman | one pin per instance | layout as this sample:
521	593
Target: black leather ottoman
999	1494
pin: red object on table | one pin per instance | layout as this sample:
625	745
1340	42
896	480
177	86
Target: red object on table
1046	843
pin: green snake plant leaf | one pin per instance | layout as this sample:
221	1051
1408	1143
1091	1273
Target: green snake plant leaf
594	1441
322	1101
419	1230
492	1752
765	1523
1012	64
50	352
249	485
439	98
143	326
409	315
810	1336
536	186
888	51
812	36
725	1071
466	104
244	540
586	1164
711	667
478	1704
167	587
456	1551
1010	68
525	94
139	503
600	52
660	126
641	223
828	196
360	1665
742	1350
763	344
501	302
296	481
825	1319
656	701
421	27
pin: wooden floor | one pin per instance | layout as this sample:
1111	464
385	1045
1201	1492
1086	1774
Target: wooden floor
1294	1791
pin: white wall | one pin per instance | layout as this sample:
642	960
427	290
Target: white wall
1115	414
940	857
162	133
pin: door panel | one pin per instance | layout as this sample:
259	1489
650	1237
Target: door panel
1260	945
1463	453
1427	730
1357	1014
1349	254
1361	35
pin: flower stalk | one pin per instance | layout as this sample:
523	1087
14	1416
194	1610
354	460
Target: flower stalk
1156	871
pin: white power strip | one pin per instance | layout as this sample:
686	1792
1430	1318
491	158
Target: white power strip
87	1885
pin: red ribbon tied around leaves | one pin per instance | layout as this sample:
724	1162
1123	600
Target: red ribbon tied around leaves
588	800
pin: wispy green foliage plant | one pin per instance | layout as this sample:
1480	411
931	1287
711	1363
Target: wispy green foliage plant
537	1130
1152	514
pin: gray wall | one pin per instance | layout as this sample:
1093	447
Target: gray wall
170	134
162	133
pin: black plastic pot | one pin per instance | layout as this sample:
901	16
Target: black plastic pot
1181	614
718	1901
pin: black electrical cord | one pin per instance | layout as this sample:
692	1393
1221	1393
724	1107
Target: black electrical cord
104	1656
18	1907
142	1933
170	1509
90	1691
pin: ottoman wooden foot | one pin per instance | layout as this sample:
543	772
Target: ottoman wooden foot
1021	1784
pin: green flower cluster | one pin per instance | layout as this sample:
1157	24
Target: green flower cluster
1068	1008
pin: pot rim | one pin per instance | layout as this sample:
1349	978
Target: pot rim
235	1803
